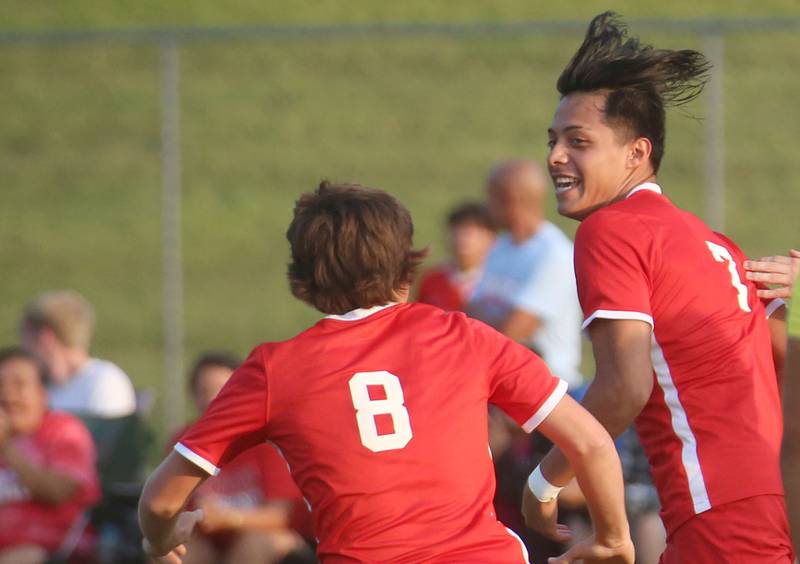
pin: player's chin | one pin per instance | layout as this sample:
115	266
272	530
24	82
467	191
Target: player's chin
569	204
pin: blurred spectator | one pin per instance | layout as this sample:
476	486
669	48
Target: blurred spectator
58	327
47	473
641	500
527	290
471	233
253	511
514	453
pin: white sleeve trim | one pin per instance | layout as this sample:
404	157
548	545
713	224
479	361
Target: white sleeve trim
196	459
618	314
548	406
774	306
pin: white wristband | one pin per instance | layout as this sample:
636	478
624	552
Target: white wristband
543	490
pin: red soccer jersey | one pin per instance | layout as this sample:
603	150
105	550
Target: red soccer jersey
62	444
712	426
382	417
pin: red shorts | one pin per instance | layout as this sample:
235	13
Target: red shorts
754	530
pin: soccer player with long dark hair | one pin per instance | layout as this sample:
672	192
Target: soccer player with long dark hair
680	337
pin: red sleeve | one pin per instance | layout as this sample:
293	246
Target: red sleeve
612	265
519	381
235	421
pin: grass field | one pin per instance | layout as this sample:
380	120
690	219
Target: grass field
423	117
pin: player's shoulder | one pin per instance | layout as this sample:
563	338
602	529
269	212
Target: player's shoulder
617	221
729	243
418	312
430	320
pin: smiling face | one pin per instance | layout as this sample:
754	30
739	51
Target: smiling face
592	164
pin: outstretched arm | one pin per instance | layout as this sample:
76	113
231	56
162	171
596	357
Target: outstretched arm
165	494
590	452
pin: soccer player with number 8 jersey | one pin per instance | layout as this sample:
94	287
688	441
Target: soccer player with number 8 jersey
681	340
380	409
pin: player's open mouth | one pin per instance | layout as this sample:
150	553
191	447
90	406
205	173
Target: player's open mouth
564	183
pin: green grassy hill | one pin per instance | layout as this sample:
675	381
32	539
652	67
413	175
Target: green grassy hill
424	117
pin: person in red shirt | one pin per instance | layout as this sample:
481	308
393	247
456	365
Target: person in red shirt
380	409
252	509
471	233
681	339
47	468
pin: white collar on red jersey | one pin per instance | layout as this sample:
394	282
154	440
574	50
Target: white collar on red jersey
360	313
651	186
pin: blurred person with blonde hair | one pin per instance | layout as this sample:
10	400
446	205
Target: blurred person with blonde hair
58	326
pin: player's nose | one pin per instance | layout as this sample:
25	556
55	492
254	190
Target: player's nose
556	157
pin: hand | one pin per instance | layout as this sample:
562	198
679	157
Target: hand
175	547
590	550
542	517
175	556
779	271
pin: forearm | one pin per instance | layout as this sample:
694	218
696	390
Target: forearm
599	476
615	409
46	486
158	528
163	498
583	445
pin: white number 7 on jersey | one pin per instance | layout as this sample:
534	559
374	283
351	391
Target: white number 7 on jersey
367	409
721	254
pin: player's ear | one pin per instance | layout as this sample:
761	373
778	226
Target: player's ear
639	152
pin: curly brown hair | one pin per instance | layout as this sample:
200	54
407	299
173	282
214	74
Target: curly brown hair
351	248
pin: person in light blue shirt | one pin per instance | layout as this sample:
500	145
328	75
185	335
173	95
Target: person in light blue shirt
527	290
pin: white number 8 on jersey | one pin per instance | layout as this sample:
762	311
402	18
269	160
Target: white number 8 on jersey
367	409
